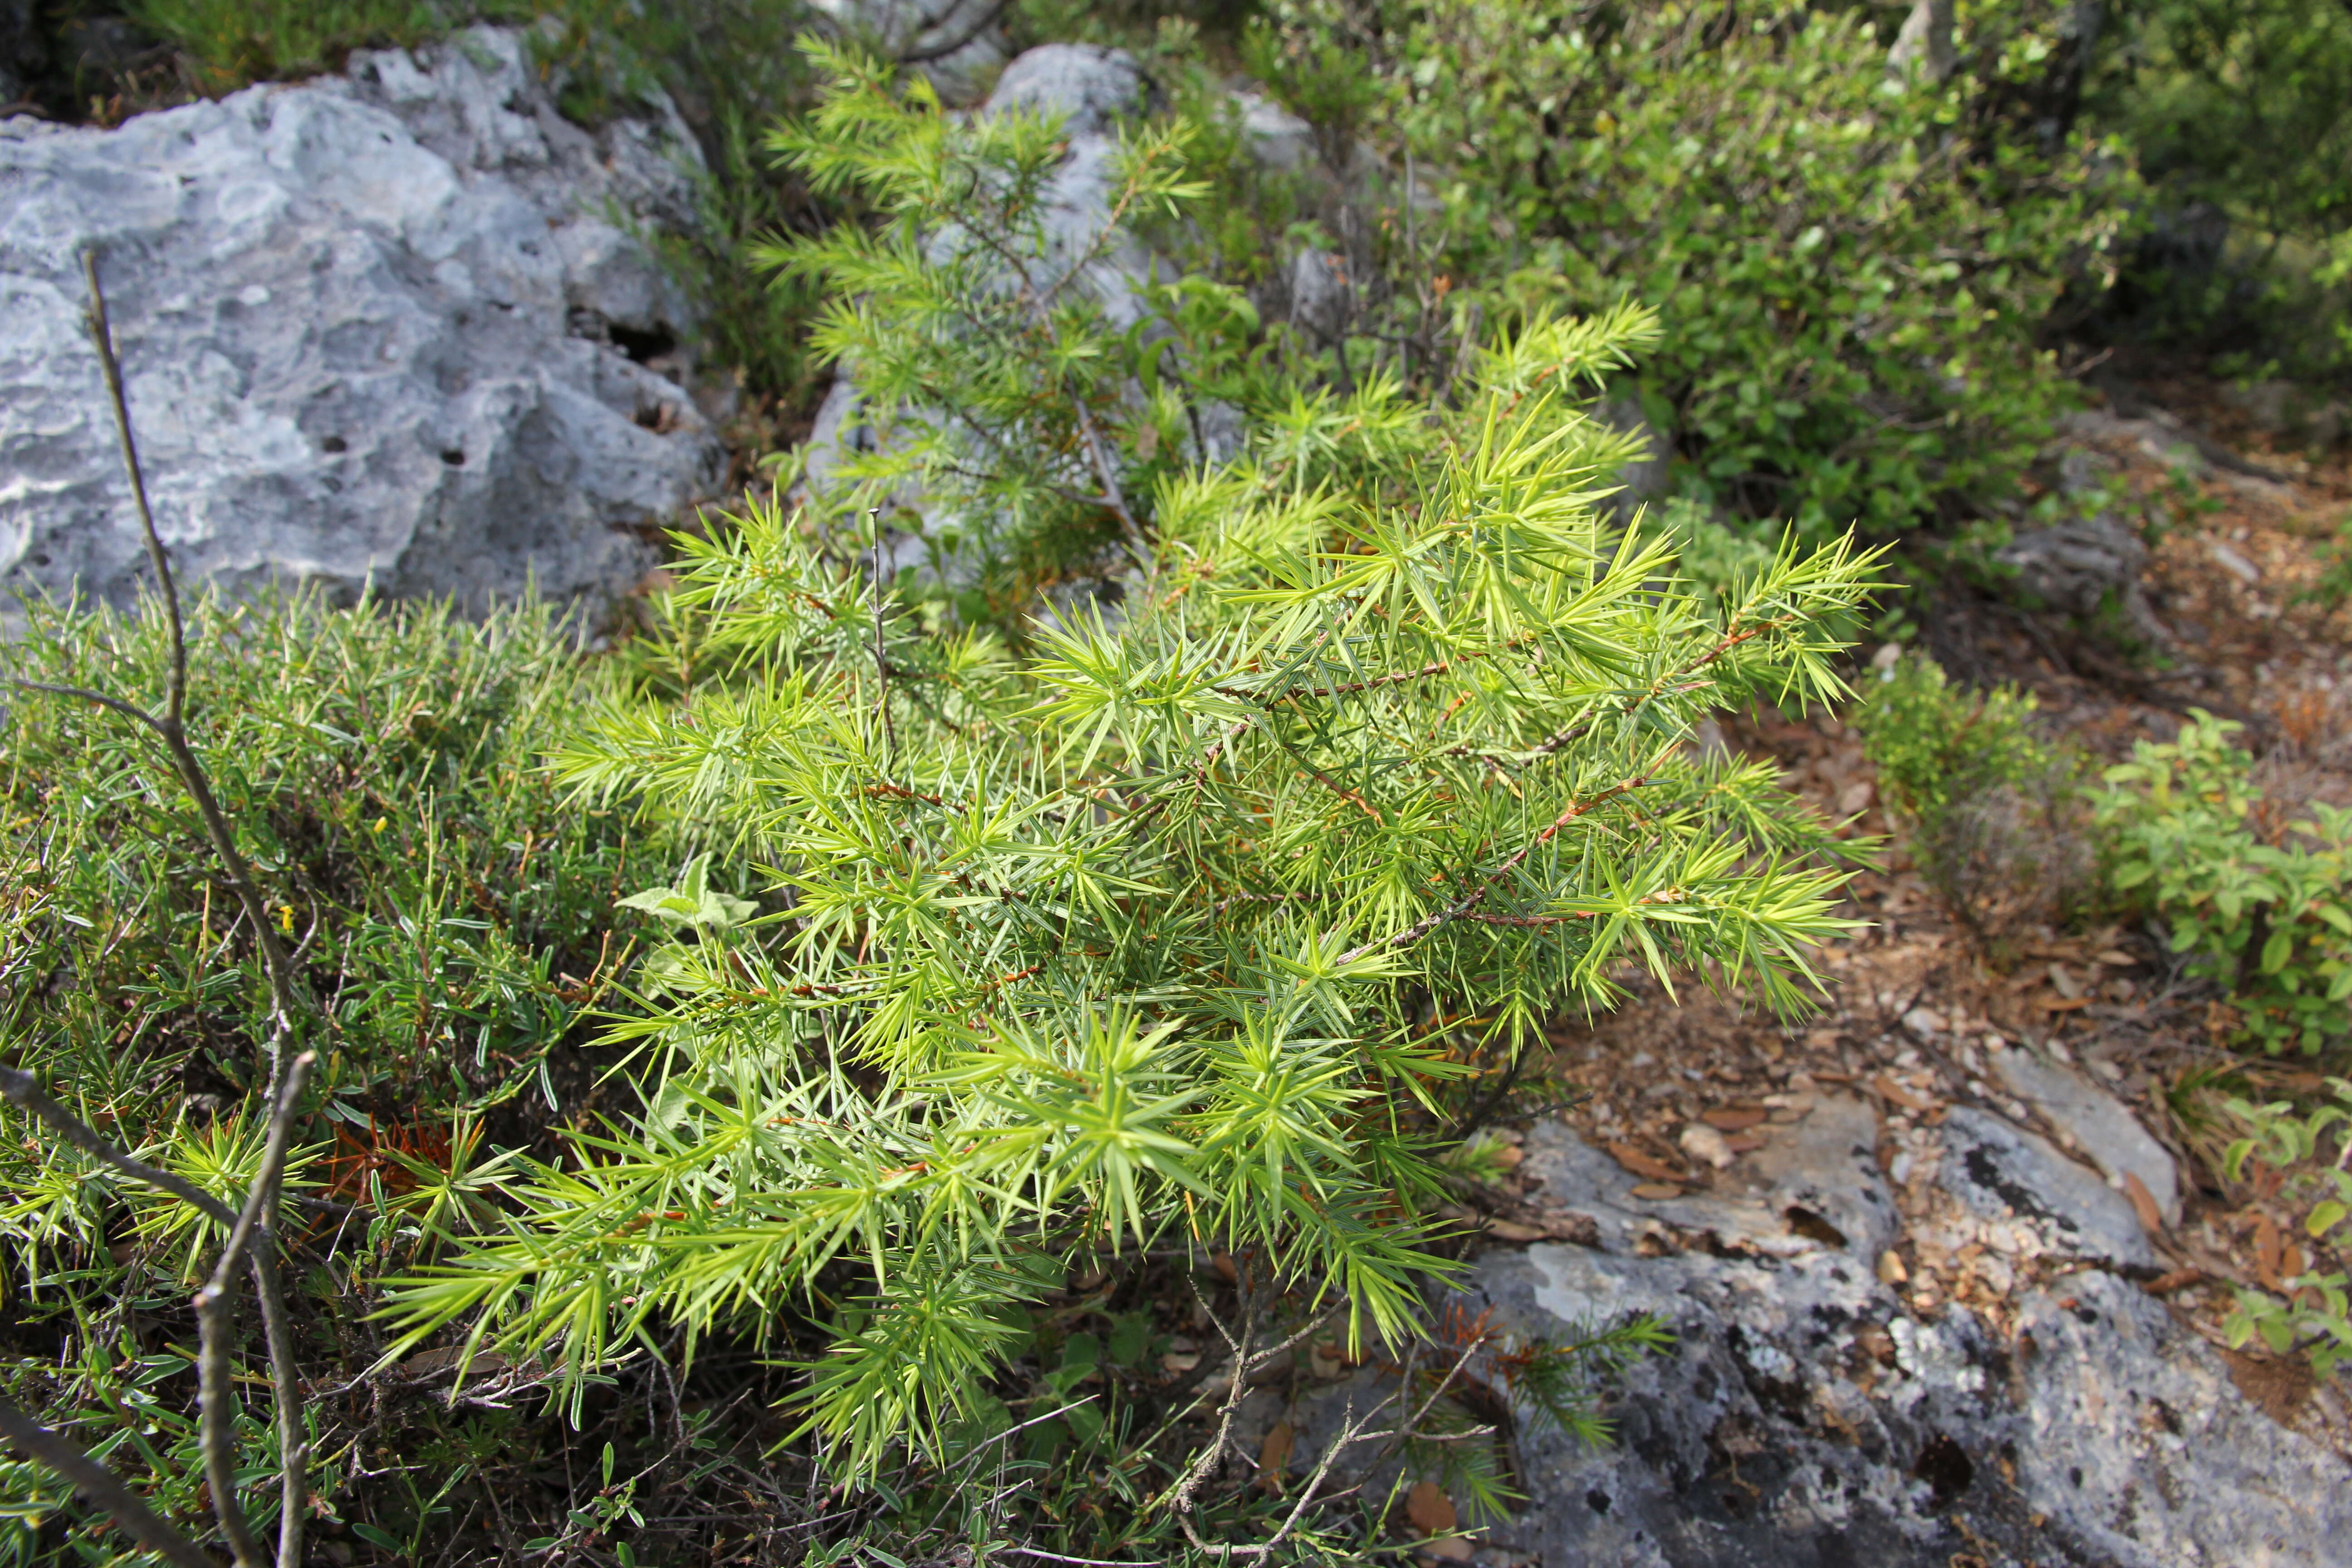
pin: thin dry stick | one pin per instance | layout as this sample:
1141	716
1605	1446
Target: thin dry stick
215	1324
881	661
285	1378
102	1487
25	1091
1129	528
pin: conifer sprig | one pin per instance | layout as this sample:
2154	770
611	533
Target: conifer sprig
1148	936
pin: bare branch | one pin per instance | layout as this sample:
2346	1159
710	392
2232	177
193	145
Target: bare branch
168	725
1112	493
101	333
215	1312
128	710
102	1487
285	1376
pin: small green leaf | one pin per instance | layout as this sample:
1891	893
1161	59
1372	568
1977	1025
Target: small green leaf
2326	1218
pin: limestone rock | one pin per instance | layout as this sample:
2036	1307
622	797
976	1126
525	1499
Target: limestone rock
378	328
2097	1121
956	44
1806	1414
2072	565
1999	1172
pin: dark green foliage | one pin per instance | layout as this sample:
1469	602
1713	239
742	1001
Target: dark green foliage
230	43
2240	115
2307	1313
1850	268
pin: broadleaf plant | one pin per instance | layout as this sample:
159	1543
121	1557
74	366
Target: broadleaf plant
1182	927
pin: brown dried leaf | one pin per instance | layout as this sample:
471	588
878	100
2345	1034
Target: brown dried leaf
1641	1165
1888	1090
2266	1252
2143	1202
1273	1455
1430	1510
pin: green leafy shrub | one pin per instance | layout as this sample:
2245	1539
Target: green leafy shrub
2240	115
1850	268
2307	1313
1989	806
2272	921
2333	588
1171	932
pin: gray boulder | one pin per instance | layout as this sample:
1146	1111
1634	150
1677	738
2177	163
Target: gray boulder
2097	1122
1809	1413
390	328
2001	1172
2073	565
956	44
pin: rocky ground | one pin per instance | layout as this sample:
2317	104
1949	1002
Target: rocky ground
1947	1263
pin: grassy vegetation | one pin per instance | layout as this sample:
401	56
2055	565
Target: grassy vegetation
229	43
447	912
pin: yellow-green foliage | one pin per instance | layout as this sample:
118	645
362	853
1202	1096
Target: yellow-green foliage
1156	933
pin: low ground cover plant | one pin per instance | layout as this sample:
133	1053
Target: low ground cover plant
1991	810
2300	1305
1996	812
440	908
2267	914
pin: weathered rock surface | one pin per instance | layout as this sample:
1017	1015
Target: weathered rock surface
2001	1172
2097	1122
1809	1413
385	328
955	43
2073	565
